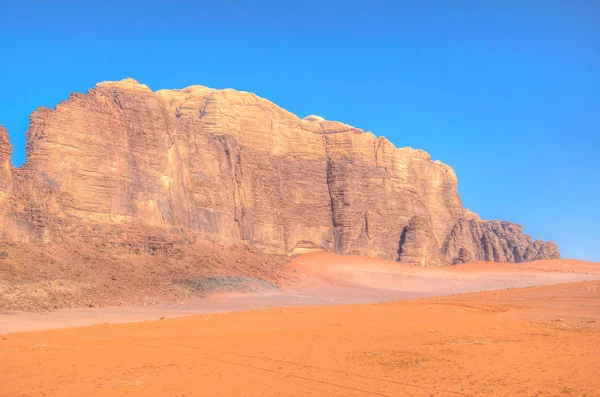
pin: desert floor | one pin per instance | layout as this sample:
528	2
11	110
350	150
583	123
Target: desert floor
327	279
530	341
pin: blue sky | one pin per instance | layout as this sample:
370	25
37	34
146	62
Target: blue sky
506	92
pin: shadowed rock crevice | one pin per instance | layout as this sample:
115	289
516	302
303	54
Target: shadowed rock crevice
401	242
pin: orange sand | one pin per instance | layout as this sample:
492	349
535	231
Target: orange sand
322	278
536	341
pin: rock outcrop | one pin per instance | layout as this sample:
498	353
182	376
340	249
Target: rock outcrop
495	241
418	245
127	168
5	176
5	165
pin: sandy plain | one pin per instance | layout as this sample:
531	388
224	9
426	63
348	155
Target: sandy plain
318	336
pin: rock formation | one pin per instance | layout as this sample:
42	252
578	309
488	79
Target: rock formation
418	245
126	168
495	241
5	166
5	178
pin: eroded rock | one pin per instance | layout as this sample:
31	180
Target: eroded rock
496	241
5	165
124	167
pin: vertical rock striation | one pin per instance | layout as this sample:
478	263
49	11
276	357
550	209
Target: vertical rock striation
496	241
128	167
5	165
5	173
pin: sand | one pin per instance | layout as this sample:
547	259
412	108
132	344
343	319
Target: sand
327	279
531	341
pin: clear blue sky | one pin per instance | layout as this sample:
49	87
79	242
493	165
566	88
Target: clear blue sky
506	92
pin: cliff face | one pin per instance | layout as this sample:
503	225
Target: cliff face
495	241
5	174
125	167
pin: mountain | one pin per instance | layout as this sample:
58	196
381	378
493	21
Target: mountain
127	170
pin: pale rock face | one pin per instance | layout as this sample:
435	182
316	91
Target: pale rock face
5	172
313	119
5	165
470	215
128	83
7	221
234	168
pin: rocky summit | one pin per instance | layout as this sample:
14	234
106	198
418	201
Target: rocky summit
128	170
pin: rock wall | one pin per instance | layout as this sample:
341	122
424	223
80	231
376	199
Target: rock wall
5	181
5	165
123	166
495	241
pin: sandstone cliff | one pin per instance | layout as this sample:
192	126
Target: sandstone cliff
5	166
5	178
129	169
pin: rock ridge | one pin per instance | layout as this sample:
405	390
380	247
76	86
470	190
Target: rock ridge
125	167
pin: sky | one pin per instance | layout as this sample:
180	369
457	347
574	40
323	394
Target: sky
506	92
